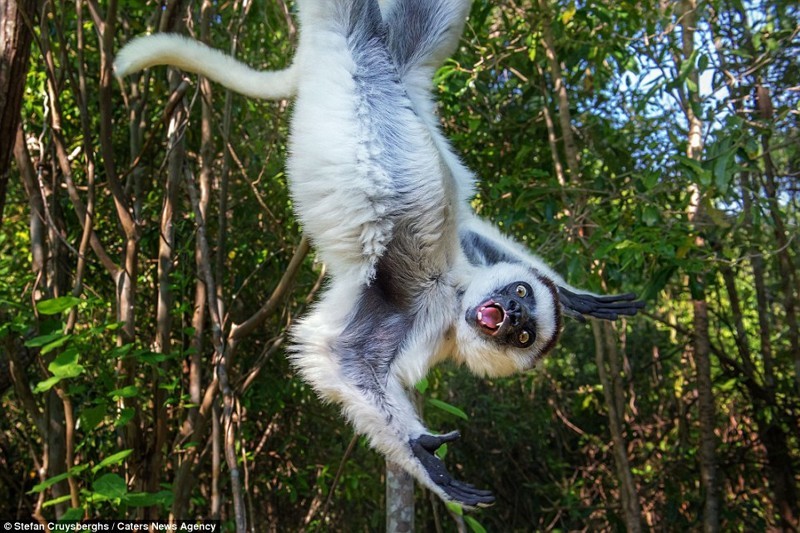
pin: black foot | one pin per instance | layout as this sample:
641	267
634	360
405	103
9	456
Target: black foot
605	307
463	493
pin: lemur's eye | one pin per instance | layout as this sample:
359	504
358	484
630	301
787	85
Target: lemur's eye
524	336
522	292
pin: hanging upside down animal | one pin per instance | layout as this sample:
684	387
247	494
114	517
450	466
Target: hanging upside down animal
416	276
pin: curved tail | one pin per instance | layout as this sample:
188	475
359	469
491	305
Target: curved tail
193	56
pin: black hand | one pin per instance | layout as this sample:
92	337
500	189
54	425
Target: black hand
605	307
424	447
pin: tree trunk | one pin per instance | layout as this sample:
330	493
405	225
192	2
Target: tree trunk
15	41
399	500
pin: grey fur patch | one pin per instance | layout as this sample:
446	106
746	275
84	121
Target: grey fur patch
418	30
415	207
372	339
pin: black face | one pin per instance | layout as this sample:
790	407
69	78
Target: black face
507	316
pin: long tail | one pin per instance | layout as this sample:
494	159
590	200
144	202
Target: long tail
194	56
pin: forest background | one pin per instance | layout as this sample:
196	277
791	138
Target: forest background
150	266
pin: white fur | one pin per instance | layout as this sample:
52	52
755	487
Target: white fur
194	56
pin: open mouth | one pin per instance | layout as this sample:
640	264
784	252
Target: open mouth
490	317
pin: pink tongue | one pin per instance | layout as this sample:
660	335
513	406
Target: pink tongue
491	317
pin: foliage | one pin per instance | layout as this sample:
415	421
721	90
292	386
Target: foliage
128	404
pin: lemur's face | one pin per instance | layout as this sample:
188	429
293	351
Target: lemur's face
508	316
511	319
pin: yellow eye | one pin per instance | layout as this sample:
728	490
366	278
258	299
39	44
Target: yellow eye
524	337
522	292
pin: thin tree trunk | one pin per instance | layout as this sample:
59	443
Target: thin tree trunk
575	204
126	278
788	272
560	88
39	253
632	513
399	500
552	137
166	252
759	276
57	448
552	141
707	415
206	161
223	355
688	17
38	230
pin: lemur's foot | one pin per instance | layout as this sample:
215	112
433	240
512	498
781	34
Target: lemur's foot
424	447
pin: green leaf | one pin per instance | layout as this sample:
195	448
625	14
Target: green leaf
650	179
49	482
702	62
741	52
91	417
56	501
587	401
718	217
46	385
120	351
698	173
568	14
651	215
422	385
474	525
125	416
687	66
455	508
658	281
151	358
110	486
57	305
447	70
66	365
125	392
722	177
73	514
63	367
444	406
112	460
441	452
43	340
148	499
57	343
